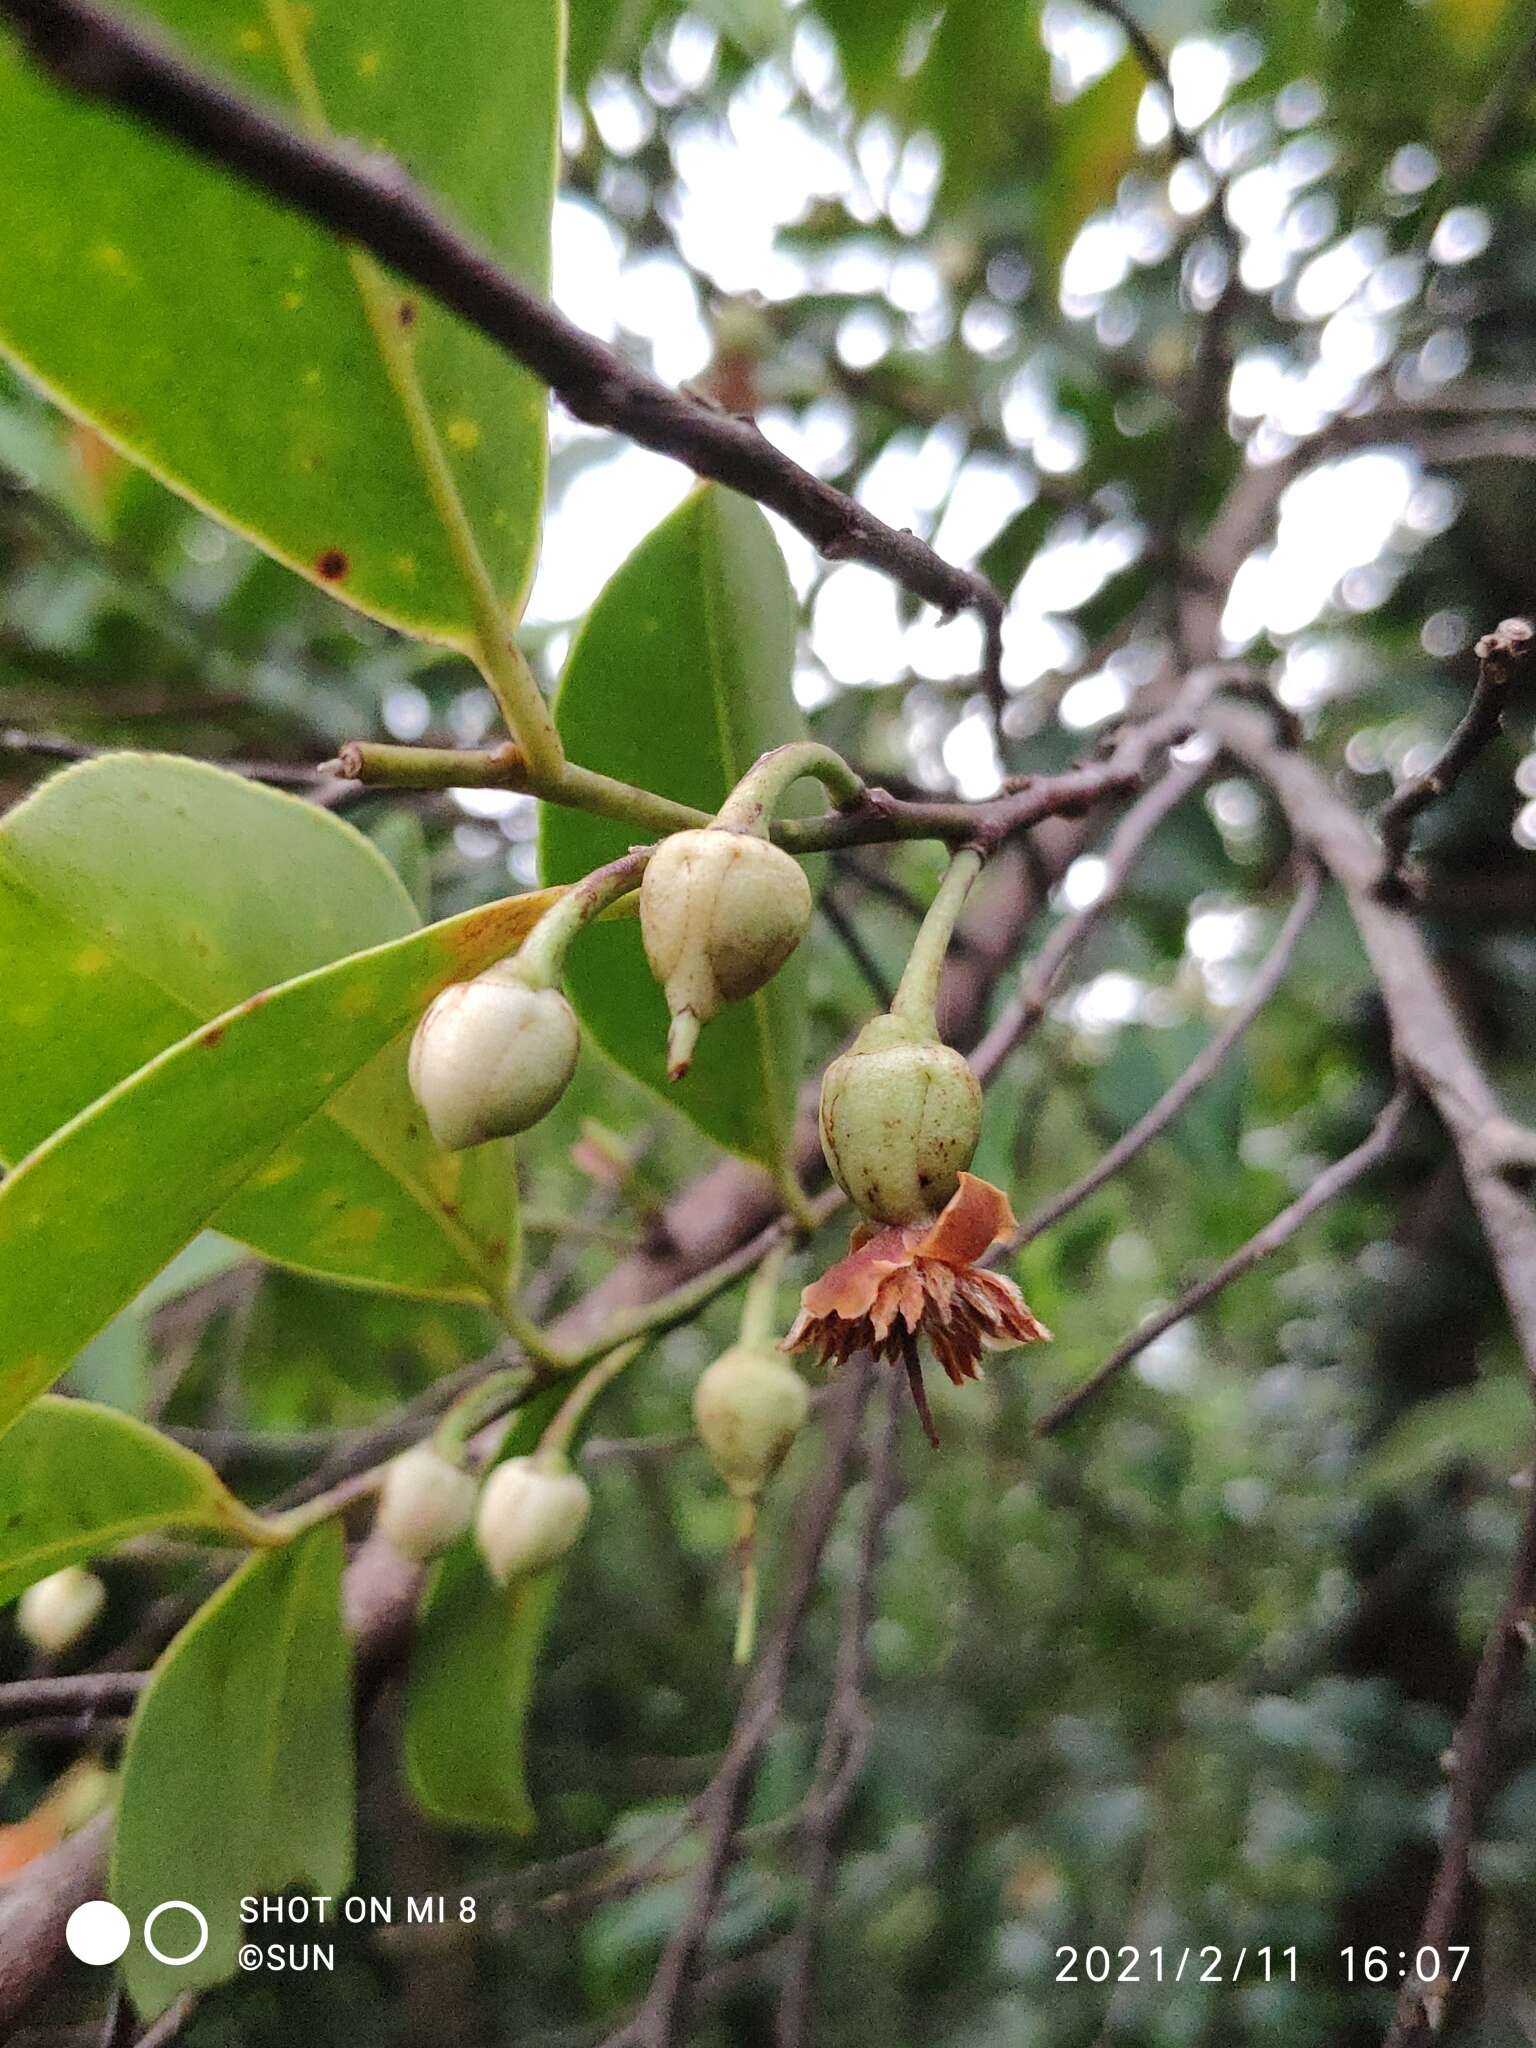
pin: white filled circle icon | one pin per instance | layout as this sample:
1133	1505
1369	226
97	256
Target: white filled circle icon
97	1932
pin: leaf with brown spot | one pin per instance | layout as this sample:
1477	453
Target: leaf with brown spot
111	1197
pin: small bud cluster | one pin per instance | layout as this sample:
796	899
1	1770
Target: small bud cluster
529	1512
721	910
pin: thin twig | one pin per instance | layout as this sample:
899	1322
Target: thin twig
1020	1017
852	940
1498	653
663	2017
85	1694
1421	2007
1332	1182
367	200
296	775
845	1734
1201	1068
874	818
1203	402
1496	1154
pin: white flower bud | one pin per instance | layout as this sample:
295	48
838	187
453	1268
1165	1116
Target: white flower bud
491	1056
720	913
529	1514
57	1611
425	1503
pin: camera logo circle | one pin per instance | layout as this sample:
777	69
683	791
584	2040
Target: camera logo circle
175	1906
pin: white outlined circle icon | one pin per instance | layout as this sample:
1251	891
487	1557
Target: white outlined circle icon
97	1932
159	1954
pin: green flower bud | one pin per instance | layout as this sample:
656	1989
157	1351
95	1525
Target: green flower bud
491	1056
56	1611
720	913
900	1121
748	1408
530	1513
425	1503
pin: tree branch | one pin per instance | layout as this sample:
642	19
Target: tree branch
1278	1231
368	200
1430	1046
1498	653
663	2017
845	1732
1028	1005
1421	2007
298	776
87	1693
1194	1077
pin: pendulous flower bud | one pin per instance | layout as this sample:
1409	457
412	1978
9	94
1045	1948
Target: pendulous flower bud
56	1612
425	1503
720	913
748	1408
530	1513
491	1056
900	1120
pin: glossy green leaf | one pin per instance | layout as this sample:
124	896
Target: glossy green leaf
247	375
141	895
678	680
76	1479
238	1778
472	1675
116	1193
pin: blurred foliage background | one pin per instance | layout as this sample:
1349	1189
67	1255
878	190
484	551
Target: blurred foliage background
1183	1675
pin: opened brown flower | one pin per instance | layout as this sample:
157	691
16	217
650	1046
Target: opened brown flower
913	1280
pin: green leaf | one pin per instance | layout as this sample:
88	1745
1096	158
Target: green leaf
238	1778
116	1193
757	27
472	1672
141	895
247	375
1489	1424
76	1479
473	1662
679	679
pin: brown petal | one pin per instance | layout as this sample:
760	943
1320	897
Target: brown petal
975	1217
849	1288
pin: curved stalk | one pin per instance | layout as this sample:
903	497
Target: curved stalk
556	1440
751	804
541	957
917	993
